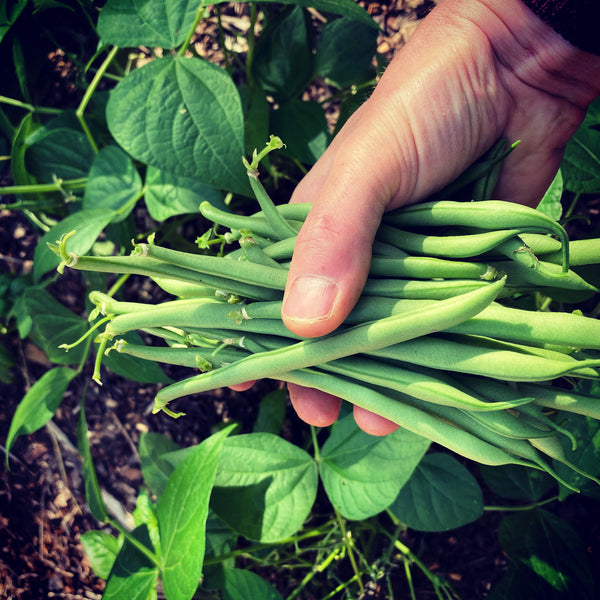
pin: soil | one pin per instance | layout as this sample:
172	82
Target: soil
42	502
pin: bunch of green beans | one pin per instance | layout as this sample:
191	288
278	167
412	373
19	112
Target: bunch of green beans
437	342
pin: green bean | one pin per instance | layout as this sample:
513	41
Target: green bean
552	447
475	358
244	272
369	336
204	312
517	250
449	246
559	399
297	211
519	447
483	188
257	225
185	357
500	322
581	252
184	289
544	244
487	214
549	275
252	252
280	228
418	289
426	267
407	416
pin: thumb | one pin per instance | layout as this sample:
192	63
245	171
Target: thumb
333	249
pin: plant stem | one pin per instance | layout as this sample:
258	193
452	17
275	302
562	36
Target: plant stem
88	96
522	508
350	549
134	542
30	107
258	547
42	188
251	44
188	37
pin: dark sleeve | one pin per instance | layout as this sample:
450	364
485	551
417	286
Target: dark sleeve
575	20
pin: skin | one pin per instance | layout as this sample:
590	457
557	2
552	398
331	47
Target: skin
474	71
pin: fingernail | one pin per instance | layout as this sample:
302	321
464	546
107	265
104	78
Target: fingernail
310	298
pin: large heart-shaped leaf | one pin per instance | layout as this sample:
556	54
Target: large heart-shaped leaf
362	474
113	183
168	195
274	481
166	23
183	116
440	495
162	23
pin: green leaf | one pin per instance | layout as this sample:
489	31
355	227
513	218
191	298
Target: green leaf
129	23
283	60
168	195
93	494
586	456
48	324
182	514
440	495
345	51
521	582
239	584
58	149
19	172
113	183
145	514
220	539
9	11
581	161
156	469
345	8
183	116
273	480
101	549
133	368
550	548
306	143
550	204
271	412
87	224
362	474
39	404
516	482
134	576
256	122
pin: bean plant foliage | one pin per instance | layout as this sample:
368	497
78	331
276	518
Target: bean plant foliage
503	400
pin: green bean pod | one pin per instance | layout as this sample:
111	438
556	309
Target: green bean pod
446	246
427	267
369	336
477	358
487	214
405	415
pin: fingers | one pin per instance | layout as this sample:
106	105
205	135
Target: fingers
313	406
372	423
242	387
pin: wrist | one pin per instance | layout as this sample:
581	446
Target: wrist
532	50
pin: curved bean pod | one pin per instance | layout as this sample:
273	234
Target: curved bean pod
369	336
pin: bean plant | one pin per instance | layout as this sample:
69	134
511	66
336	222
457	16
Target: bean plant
476	332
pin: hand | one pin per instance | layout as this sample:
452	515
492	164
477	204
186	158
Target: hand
474	71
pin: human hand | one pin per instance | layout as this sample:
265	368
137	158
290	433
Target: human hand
473	72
